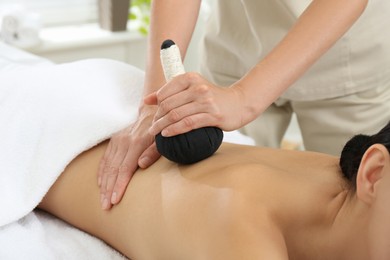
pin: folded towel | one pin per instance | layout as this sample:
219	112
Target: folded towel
51	114
20	27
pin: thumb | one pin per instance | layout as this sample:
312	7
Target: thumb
149	156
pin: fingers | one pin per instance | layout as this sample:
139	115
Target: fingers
113	166
178	84
123	177
189	102
182	120
121	157
118	177
149	156
176	89
103	163
197	105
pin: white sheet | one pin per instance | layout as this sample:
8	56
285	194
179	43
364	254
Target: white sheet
41	236
49	114
44	124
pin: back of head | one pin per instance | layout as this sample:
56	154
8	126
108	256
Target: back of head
355	148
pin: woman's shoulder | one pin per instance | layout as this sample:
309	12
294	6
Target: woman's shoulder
272	157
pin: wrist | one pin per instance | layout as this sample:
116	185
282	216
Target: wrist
250	106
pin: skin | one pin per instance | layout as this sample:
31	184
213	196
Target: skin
189	101
134	146
244	202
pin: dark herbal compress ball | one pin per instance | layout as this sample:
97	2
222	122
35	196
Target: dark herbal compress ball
190	147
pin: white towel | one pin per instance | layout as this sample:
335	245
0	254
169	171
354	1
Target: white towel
51	114
39	235
20	27
48	115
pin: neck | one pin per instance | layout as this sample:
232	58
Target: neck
349	230
339	234
345	235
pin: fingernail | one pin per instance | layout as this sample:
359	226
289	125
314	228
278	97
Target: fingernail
105	204
101	198
164	133
144	161
113	198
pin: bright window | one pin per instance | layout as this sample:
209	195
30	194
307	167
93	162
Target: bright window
58	12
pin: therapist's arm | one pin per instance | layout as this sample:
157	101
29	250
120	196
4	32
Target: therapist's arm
316	31
171	19
204	104
134	146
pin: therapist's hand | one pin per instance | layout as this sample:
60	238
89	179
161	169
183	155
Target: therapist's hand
188	102
128	149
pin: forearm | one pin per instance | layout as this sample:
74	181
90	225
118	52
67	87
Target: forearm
317	29
170	19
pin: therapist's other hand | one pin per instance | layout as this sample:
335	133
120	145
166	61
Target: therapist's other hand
188	102
132	147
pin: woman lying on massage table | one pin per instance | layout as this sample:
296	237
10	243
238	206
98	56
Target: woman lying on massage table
242	203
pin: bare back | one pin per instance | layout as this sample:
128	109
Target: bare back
234	199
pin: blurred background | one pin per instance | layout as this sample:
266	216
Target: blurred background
69	30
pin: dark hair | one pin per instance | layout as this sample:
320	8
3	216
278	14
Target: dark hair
355	148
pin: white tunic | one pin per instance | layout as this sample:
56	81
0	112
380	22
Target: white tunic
240	33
